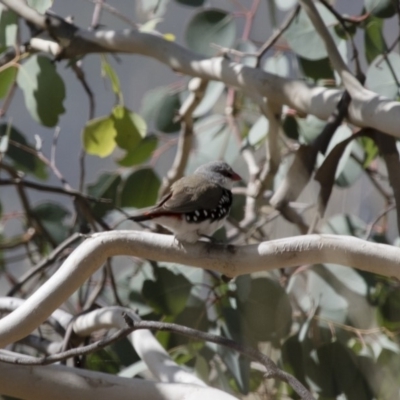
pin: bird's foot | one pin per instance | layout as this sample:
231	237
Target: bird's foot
212	239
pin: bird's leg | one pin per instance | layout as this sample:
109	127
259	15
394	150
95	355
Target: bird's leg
212	239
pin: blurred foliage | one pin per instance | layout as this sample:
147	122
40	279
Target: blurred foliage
334	328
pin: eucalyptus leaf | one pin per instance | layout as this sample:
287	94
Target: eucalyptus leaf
373	38
317	69
108	70
8	27
22	159
43	88
40	6
381	8
161	106
277	64
266	314
304	40
258	131
345	224
140	153
246	46
191	3
383	76
106	187
168	293
7	77
140	189
285	5
99	136
52	217
211	26
213	92
130	128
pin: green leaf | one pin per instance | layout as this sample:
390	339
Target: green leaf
345	224
52	216
105	187
246	46
390	310
380	76
191	3
265	311
130	128
334	370
43	89
103	361
40	5
370	150
162	106
140	189
7	77
8	28
258	131
290	127
22	160
316	69
373	38
210	26
99	136
342	133
278	64
141	153
168	294
310	128
108	70
214	140
304	40
381	8
212	94
285	5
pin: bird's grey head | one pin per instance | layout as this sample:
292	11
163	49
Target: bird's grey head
220	173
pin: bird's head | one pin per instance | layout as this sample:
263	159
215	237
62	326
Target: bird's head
220	173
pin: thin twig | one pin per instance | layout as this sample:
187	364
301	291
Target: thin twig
44	262
53	189
274	38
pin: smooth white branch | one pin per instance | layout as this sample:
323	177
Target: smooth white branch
64	383
229	260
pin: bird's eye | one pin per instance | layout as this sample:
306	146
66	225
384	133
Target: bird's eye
227	174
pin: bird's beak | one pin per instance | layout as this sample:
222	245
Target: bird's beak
236	177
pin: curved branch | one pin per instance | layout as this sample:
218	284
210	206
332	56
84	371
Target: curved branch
197	89
146	345
64	383
228	260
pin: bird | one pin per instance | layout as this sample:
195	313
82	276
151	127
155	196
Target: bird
196	205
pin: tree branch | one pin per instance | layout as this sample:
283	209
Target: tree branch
63	383
229	260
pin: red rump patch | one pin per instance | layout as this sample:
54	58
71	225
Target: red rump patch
165	214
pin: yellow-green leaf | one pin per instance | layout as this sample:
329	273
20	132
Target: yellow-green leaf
7	77
99	136
130	128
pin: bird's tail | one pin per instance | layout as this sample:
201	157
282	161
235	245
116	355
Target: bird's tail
141	217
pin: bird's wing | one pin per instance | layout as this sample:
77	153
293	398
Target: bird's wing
188	195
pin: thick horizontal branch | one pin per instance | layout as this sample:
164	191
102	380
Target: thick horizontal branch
367	109
64	383
228	260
